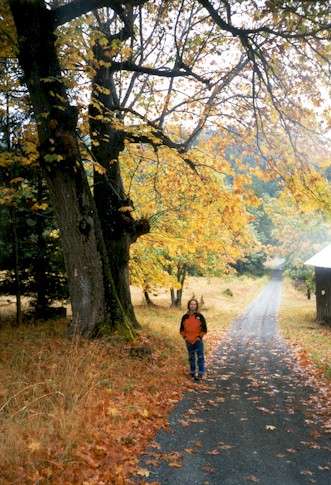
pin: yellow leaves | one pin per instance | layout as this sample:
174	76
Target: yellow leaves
17	180
34	446
55	233
113	411
102	90
270	427
99	168
53	157
177	286
126	208
38	206
144	413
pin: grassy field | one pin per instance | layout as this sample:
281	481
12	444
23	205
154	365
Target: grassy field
298	324
77	411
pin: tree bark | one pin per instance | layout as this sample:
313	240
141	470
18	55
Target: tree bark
119	227
176	297
94	302
17	270
147	299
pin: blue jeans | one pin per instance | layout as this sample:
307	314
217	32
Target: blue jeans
196	353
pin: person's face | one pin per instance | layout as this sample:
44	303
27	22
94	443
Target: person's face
192	305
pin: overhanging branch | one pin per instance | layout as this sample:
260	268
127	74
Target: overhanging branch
76	8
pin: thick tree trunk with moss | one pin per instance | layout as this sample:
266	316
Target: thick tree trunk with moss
119	227
94	301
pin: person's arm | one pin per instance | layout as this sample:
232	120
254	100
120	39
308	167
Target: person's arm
203	326
182	328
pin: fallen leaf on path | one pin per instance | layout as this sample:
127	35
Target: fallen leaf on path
172	456
175	464
198	443
195	420
265	410
190	450
224	446
252	478
156	445
152	462
269	426
214	452
143	472
184	423
306	472
208	469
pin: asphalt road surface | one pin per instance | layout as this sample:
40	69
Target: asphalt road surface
250	420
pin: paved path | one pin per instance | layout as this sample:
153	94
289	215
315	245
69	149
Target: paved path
249	421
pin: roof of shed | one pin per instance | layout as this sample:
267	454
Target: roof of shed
322	259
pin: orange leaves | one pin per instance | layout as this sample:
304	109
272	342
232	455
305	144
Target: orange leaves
85	456
191	450
174	459
214	452
209	469
101	407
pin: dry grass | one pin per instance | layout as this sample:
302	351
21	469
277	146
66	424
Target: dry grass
82	411
64	404
298	324
223	300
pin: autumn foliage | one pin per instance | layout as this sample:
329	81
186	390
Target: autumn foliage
83	411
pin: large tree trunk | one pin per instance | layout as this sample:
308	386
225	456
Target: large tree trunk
41	301
94	303
119	227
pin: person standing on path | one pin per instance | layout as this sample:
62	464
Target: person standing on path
193	328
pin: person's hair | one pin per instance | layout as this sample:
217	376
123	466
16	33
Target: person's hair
192	299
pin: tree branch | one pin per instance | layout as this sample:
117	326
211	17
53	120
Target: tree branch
76	8
240	32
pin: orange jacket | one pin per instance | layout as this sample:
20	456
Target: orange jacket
193	326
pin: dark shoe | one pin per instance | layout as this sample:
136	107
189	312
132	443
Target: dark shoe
199	377
192	375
